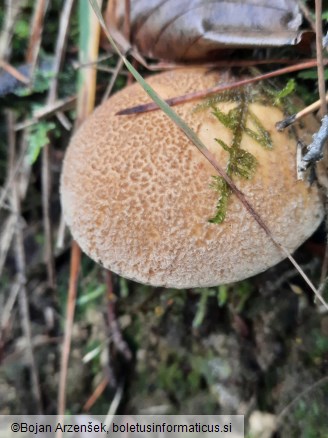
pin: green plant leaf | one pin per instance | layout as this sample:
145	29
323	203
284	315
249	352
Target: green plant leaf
286	91
91	296
37	139
222	295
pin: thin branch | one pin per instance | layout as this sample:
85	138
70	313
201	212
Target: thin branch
36	33
47	111
14	72
164	65
151	106
60	48
47	227
21	280
71	302
283	124
46	151
115	74
11	178
77	64
9	305
61	232
64	121
89	46
114	405
10	14
6	236
315	149
96	394
111	70
307	13
115	331
127	19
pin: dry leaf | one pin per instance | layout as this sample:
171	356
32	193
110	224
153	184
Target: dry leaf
194	29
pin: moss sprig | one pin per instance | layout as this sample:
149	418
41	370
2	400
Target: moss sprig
241	163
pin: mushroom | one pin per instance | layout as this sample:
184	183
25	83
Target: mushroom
141	200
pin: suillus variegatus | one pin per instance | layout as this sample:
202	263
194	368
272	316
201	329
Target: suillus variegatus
141	200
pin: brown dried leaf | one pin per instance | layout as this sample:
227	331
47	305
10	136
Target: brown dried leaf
194	29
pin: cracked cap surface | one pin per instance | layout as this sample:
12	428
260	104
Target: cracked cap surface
136	193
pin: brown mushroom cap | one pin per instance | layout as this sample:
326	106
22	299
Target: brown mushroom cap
136	192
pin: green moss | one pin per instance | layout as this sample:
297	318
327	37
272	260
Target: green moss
241	163
221	187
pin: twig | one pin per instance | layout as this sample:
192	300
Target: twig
89	45
151	106
283	124
78	64
60	48
111	70
38	341
9	305
272	286
64	121
300	173
46	174
12	10
14	72
71	302
35	35
127	19
8	228
21	168
307	13
20	181
47	111
114	405
164	65
59	56
115	331
319	48
46	189
61	233
12	175
25	168
315	149
115	74
21	280
7	233
96	394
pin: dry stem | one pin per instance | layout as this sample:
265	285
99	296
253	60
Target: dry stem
21	274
